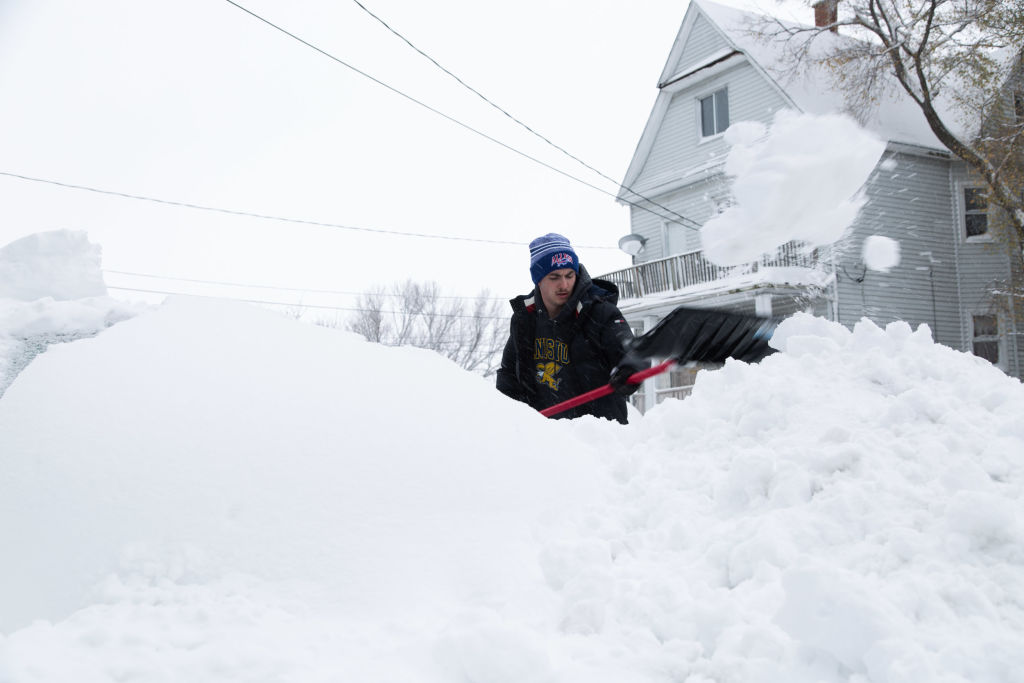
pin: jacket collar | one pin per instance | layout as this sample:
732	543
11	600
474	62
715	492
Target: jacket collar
530	303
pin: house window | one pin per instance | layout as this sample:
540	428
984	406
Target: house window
1018	106
975	211
985	341
714	113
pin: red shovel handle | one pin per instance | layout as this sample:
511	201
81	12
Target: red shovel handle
635	378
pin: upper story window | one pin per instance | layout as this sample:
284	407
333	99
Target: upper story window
975	211
985	342
714	113
1018	106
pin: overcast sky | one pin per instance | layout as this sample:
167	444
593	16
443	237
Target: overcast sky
199	102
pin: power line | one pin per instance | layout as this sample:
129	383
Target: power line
413	99
306	290
457	122
302	305
521	123
250	214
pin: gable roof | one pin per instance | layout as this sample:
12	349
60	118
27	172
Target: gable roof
895	118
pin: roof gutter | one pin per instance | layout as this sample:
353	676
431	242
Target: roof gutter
698	68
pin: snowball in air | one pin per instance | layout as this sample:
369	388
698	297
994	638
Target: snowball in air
881	253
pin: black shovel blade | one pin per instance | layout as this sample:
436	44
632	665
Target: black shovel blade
705	335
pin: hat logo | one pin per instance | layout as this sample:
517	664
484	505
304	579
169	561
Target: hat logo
561	260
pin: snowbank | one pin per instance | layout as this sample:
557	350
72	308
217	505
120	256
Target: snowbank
61	265
51	291
207	438
209	492
848	509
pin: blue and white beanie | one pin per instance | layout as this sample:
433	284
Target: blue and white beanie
551	252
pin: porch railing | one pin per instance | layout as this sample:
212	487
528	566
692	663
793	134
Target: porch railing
685	270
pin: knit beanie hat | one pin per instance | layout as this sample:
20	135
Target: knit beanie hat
551	252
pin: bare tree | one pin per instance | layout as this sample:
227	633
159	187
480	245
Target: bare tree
370	322
958	60
418	314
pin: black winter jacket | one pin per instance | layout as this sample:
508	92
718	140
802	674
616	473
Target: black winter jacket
547	361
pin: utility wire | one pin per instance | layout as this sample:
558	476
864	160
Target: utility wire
300	305
250	214
456	121
305	290
519	122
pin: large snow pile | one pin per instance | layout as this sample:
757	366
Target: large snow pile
210	492
61	264
849	509
232	437
798	179
51	290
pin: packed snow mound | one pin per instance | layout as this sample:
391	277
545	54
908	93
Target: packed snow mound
51	291
44	318
777	184
208	437
62	265
216	493
848	509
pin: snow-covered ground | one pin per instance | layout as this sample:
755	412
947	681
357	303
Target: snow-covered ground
206	491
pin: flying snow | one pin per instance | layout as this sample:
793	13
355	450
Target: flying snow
207	491
881	253
799	179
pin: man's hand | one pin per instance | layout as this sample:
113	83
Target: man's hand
619	382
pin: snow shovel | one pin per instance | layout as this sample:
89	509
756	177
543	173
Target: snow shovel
689	334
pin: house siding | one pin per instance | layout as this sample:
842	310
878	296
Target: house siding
908	201
1014	319
1002	124
1002	114
678	148
985	264
668	237
704	41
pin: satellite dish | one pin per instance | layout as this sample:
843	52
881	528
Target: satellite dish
632	243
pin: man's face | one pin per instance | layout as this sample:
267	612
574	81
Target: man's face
556	288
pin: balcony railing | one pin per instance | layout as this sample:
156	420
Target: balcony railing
686	270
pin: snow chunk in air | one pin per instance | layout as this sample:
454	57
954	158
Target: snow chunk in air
800	180
881	253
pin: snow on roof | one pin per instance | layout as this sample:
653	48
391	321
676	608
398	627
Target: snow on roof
895	118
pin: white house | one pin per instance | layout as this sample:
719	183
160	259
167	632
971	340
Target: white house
954	268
